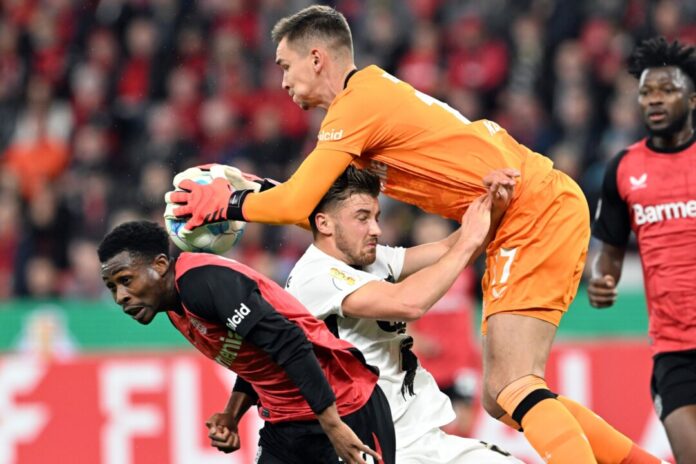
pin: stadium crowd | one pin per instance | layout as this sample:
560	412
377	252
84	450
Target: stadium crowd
102	101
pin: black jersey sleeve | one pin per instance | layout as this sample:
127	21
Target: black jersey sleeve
223	295
612	222
241	385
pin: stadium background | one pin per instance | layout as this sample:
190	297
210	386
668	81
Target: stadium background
101	102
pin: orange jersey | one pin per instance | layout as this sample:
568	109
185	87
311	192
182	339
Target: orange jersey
429	155
426	153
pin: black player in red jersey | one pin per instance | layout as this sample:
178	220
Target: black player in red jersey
650	188
282	355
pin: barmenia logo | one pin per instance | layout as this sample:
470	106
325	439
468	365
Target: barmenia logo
332	134
238	316
665	211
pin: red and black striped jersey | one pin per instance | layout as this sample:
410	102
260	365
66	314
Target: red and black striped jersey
246	322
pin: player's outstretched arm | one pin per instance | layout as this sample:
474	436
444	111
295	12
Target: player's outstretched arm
606	272
410	298
288	203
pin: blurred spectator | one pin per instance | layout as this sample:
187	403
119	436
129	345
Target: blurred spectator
10	230
38	151
89	90
41	277
161	140
155	181
475	60
90	149
220	141
12	72
136	73
381	34
83	278
190	47
183	91
420	66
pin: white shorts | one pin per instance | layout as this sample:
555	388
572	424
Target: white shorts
437	447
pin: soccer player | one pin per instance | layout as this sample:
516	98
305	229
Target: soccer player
650	188
365	291
282	355
429	155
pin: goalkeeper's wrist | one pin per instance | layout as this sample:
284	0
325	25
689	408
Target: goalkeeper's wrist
267	184
234	207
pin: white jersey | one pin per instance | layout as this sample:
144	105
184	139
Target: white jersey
321	283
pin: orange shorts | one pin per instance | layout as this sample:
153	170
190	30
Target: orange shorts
535	262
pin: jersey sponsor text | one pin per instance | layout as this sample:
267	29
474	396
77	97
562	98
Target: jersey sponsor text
239	315
230	349
657	213
333	134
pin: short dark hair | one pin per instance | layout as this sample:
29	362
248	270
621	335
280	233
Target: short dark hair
657	53
316	21
141	238
352	181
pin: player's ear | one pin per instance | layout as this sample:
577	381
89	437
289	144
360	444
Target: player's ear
323	222
161	264
317	59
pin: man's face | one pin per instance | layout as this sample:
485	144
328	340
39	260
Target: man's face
356	229
299	73
136	285
666	99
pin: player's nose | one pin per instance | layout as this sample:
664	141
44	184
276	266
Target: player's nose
375	229
122	296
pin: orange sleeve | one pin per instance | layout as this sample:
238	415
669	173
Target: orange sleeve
294	200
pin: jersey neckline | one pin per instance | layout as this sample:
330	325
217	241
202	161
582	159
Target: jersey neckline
677	149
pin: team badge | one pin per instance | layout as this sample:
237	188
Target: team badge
340	278
638	182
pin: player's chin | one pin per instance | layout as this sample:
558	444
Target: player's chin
147	317
368	257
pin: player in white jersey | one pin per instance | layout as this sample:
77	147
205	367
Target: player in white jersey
364	292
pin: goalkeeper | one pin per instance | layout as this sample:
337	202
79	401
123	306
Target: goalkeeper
429	155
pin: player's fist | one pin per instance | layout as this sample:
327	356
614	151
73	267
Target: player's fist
602	291
222	431
501	186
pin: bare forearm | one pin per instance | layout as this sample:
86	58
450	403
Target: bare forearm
329	418
425	287
496	218
608	261
238	404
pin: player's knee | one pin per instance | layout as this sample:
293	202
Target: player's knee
518	397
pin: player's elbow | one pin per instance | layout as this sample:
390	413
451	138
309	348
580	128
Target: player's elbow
412	312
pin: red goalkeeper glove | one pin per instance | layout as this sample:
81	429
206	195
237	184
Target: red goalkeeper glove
203	203
220	200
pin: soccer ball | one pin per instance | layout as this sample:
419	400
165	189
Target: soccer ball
217	237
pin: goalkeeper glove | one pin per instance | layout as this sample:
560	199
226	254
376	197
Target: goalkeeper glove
220	200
